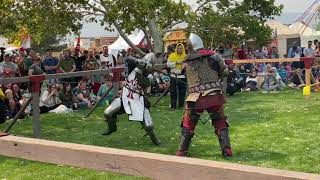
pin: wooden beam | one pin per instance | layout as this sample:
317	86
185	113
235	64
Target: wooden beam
265	60
156	166
63	75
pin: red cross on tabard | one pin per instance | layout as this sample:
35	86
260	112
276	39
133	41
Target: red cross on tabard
132	86
109	65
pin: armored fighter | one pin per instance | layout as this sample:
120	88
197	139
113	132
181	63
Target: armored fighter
204	70
133	100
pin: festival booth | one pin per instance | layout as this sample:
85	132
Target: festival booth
306	33
283	36
175	37
120	44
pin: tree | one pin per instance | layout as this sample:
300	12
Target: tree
214	20
42	19
152	16
222	21
59	17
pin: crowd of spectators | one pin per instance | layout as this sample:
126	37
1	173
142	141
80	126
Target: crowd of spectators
83	92
268	77
73	93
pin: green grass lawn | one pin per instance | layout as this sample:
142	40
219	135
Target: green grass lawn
268	130
11	168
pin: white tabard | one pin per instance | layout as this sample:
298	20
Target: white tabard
107	61
132	98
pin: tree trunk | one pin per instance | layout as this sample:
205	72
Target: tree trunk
125	37
156	36
148	39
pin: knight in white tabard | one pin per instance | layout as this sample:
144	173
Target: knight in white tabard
133	100
107	60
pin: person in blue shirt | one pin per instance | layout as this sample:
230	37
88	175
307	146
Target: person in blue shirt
51	64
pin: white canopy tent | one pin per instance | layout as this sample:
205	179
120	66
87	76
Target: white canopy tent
283	33
307	33
121	44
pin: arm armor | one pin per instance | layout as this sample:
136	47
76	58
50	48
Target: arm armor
219	65
140	63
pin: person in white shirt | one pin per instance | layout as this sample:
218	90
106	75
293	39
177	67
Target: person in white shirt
309	52
107	60
49	99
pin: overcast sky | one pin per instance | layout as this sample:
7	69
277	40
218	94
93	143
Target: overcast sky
295	5
290	6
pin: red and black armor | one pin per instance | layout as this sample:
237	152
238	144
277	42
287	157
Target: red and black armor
204	70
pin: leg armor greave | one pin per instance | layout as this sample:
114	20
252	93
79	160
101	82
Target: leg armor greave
222	131
189	123
185	141
110	115
148	127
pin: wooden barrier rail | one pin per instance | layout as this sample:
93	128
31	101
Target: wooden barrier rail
155	166
37	79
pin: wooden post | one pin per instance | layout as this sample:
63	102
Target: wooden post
36	114
116	81
308	77
35	88
308	63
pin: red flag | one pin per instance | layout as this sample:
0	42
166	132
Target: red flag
78	44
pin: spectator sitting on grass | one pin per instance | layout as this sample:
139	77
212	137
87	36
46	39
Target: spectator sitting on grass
49	99
103	89
297	80
271	83
252	81
83	95
283	73
17	94
12	104
68	98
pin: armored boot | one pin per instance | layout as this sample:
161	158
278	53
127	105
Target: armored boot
155	140
185	141
112	126
150	132
224	141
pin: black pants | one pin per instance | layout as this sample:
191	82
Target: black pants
178	89
2	111
45	109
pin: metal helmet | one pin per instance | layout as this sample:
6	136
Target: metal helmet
195	42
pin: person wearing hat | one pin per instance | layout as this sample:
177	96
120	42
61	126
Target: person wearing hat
8	68
51	64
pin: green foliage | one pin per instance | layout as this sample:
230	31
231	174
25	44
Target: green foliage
50	42
233	21
268	130
216	21
133	14
42	19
